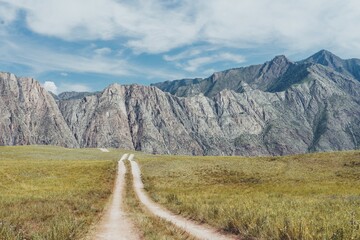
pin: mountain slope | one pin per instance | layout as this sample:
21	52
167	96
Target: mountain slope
29	114
263	77
276	108
317	114
273	76
349	67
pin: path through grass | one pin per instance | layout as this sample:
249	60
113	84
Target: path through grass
314	196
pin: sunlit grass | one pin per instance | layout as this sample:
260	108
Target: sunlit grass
52	192
314	196
150	226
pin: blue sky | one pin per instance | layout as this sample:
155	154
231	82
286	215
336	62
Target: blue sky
85	45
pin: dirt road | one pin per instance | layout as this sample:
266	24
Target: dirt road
115	224
199	231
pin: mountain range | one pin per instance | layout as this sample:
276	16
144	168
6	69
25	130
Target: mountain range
276	108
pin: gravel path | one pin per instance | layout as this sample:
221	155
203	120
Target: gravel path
199	231
115	224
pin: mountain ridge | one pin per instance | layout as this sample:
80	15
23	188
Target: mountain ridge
276	108
261	76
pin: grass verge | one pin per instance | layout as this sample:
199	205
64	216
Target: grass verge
151	227
52	193
312	196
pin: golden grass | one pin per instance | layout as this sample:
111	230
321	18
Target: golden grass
150	226
312	196
52	192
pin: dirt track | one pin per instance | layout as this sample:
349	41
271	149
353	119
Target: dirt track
197	230
115	224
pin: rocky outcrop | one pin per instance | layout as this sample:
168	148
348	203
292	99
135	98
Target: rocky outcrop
30	115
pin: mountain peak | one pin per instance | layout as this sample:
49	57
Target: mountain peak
325	57
280	59
325	53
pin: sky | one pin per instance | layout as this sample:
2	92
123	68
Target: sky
85	45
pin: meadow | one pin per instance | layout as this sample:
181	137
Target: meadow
310	196
149	226
52	192
55	193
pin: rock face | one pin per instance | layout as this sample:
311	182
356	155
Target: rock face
273	76
73	95
29	114
350	67
262	77
276	108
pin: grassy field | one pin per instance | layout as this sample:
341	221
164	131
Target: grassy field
314	196
150	226
52	193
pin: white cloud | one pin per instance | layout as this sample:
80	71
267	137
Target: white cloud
8	13
183	55
156	26
42	59
148	25
193	65
103	51
50	87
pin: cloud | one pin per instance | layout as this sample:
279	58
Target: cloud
147	25
38	59
183	55
194	64
43	59
156	26
8	13
103	51
50	87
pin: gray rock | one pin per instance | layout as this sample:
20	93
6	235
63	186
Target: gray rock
29	114
277	108
348	66
74	95
314	114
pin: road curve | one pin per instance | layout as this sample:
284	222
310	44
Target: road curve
197	230
115	224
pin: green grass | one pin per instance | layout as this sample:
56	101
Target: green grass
52	192
150	226
57	193
314	196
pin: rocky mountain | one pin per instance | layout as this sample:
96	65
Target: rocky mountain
276	108
262	77
29	114
74	95
273	76
350	67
